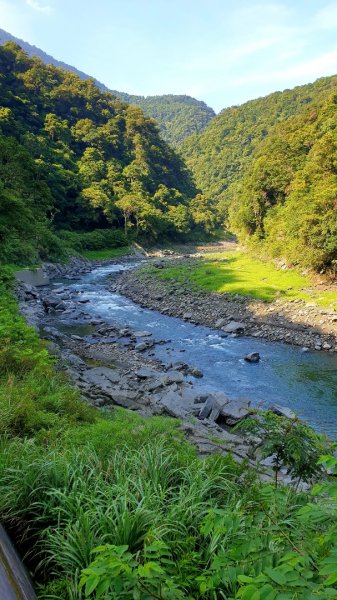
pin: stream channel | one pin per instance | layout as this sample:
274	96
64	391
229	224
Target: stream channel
306	382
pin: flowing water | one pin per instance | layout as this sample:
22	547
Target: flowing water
304	382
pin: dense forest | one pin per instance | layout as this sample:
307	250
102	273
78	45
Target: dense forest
177	116
75	158
269	165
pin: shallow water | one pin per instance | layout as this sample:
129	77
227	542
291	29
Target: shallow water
304	382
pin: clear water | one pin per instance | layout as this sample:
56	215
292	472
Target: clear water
304	382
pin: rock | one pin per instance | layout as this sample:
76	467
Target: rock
195	372
283	411
51	301
207	408
171	401
174	377
99	375
253	357
146	372
234	411
141	346
220	323
234	327
305	349
187	315
140	334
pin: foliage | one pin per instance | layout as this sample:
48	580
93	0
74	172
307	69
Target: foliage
290	443
269	165
70	155
177	116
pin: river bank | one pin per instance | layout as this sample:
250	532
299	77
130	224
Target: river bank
294	322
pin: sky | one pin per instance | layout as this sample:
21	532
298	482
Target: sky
221	51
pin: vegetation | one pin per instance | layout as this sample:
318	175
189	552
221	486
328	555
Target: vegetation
177	116
270	164
239	273
117	506
73	157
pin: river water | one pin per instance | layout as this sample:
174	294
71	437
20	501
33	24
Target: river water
304	382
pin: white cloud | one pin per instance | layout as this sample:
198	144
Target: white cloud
323	65
36	5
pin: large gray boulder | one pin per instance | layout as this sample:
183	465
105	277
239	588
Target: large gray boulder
234	327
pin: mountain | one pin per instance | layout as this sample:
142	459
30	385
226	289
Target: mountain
270	165
177	116
74	157
218	155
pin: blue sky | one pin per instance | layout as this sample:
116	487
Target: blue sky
221	51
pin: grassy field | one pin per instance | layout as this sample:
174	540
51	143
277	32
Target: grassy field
239	273
106	253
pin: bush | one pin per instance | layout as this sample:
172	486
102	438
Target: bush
93	240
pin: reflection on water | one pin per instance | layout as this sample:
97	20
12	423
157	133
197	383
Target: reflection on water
305	382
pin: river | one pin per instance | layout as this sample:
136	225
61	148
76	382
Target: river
306	382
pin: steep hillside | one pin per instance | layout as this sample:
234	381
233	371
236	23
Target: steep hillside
72	156
177	116
286	200
221	152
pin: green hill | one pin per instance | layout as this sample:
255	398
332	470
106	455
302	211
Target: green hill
250	157
177	116
74	157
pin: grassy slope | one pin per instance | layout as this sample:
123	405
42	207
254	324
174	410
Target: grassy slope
239	273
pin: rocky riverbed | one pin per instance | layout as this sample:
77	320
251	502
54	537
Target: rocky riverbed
294	322
112	366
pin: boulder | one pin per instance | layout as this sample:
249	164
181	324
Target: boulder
234	327
252	357
174	377
207	408
146	372
187	315
172	404
283	411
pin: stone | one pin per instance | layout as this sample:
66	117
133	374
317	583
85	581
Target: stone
283	411
174	377
51	301
187	315
146	372
172	404
220	323
140	334
234	411
253	357
141	346
98	374
195	372
207	408
234	327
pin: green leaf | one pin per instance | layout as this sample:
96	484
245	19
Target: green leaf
276	576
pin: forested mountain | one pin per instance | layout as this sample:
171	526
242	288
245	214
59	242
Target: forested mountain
259	162
72	156
177	116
